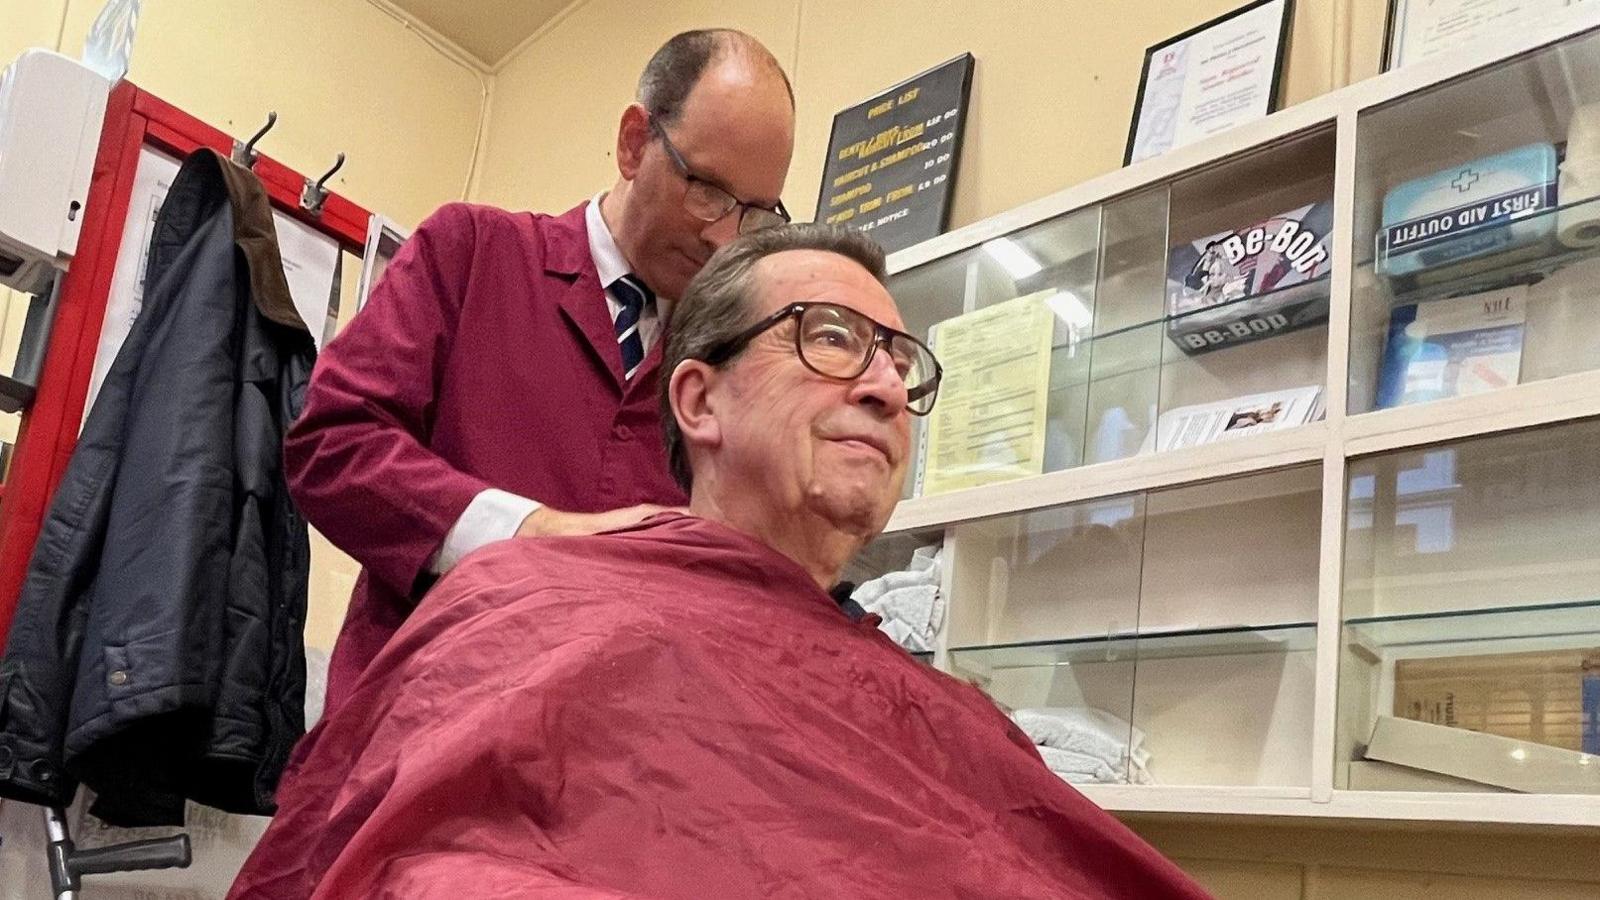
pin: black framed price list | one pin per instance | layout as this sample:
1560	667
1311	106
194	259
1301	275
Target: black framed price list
892	159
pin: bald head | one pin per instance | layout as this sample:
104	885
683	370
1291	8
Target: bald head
671	74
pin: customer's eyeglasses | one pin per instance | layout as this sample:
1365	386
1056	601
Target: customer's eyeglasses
838	342
709	203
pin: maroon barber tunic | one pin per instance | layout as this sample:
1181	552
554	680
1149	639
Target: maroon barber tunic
486	357
674	711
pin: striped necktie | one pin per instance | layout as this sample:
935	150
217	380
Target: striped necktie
631	293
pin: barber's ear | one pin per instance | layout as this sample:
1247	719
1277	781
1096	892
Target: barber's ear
690	393
633	136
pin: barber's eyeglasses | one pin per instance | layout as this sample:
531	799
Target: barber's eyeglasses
709	203
838	342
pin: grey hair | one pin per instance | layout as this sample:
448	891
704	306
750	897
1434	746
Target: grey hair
677	66
720	303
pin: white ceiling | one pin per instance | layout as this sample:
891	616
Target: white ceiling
487	29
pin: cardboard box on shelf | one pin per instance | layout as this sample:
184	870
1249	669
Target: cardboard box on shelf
1367	775
1266	278
1502	762
1535	696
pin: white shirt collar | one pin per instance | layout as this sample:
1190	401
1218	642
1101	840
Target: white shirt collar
609	263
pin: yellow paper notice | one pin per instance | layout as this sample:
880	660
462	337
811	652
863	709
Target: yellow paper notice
989	424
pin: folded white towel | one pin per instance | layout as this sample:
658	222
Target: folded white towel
1092	732
911	609
1141	775
1088	734
1078	768
910	602
901	634
894	580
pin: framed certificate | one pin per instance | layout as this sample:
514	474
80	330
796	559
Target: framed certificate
1210	78
1421	28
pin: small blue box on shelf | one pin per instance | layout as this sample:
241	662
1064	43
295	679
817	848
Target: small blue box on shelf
1486	211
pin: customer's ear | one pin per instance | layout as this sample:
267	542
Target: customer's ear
690	391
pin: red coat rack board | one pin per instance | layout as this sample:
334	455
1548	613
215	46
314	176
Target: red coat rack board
49	429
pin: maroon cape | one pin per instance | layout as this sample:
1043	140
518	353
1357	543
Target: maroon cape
673	711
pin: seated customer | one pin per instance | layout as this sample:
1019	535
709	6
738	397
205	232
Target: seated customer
678	709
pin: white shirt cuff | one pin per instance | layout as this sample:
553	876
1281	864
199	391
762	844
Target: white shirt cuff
493	515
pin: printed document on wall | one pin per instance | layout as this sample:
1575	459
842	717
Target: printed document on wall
989	424
151	180
310	264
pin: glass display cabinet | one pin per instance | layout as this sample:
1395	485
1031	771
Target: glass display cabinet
1477	226
1157	327
1203	660
1266	467
1471	609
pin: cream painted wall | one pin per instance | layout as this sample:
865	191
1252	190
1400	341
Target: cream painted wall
1051	102
343	75
28	23
557	103
1054	88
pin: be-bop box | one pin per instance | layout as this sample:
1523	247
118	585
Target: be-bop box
1487	212
1266	278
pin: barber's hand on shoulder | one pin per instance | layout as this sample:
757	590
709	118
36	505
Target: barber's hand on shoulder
546	522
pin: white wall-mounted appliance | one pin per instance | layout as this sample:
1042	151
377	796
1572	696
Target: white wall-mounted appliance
51	112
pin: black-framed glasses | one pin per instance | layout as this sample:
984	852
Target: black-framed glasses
838	342
709	203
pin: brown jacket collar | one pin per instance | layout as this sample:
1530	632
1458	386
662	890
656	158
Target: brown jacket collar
253	230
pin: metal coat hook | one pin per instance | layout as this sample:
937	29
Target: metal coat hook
314	194
245	154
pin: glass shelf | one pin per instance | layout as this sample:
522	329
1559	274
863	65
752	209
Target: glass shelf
1315	290
1575	623
1247	689
1529	263
1244	639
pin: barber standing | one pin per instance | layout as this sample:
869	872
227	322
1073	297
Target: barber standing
503	378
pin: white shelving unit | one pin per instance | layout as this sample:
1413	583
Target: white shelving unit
1245	603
